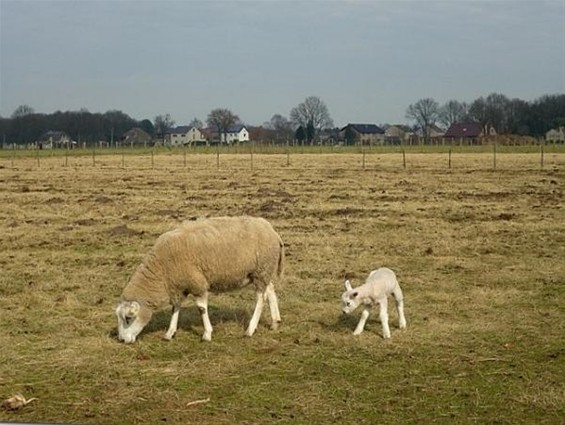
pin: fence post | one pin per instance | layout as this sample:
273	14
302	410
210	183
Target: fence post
541	153
287	154
494	155
218	155
37	152
94	155
450	157
404	158
67	157
152	160
363	157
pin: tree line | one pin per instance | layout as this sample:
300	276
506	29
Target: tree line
305	121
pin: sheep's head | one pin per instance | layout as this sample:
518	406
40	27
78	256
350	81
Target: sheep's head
132	318
350	299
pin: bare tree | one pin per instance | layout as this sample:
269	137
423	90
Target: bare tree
281	126
162	123
425	113
452	112
196	123
221	119
312	111
22	111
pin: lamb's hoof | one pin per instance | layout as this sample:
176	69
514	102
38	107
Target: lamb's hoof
168	337
207	337
274	326
357	333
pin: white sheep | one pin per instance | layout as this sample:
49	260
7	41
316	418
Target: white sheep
215	254
377	287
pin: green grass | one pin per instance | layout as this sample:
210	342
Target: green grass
478	253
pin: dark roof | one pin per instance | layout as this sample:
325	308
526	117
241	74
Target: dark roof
183	129
459	130
365	128
236	128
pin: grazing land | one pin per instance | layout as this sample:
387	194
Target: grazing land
479	253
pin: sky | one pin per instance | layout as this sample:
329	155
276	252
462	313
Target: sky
366	60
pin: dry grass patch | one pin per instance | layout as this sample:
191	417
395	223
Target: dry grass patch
478	254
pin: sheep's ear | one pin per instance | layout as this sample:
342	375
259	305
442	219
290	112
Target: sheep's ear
133	309
348	285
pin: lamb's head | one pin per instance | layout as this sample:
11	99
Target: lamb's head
132	318
350	299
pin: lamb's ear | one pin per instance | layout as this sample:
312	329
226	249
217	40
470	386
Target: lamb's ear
348	285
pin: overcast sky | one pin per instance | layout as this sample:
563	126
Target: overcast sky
367	60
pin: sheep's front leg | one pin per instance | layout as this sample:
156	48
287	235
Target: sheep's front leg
273	306
384	317
202	304
361	325
174	323
256	314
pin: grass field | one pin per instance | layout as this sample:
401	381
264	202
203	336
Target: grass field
478	251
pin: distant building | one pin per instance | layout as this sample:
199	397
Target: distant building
136	137
471	131
235	134
183	136
366	134
555	135
398	134
55	139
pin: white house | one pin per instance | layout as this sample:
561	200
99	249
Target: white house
555	135
235	134
183	135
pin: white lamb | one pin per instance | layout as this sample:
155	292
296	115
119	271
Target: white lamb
377	287
216	254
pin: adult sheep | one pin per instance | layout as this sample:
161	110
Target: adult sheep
213	254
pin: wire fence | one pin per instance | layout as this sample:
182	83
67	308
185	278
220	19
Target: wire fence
254	157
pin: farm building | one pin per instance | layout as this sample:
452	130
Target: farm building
398	134
235	134
136	137
55	139
365	134
183	136
555	135
471	131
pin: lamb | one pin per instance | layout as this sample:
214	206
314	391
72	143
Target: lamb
214	254
377	287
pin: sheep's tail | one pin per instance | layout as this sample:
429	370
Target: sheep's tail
280	265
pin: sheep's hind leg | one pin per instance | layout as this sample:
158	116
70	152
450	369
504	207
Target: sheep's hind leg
273	306
202	303
174	323
256	314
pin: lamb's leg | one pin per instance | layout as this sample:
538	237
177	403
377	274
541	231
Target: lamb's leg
399	298
383	314
202	304
174	323
273	306
256	314
364	316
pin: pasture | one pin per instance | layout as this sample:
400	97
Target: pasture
478	252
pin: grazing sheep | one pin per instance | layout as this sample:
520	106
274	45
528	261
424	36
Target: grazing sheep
377	287
215	254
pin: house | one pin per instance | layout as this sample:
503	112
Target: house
365	134
555	135
183	136
55	139
471	131
136	137
235	134
398	134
